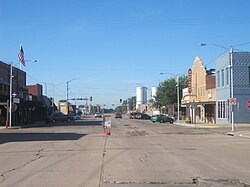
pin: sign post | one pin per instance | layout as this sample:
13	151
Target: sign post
232	101
107	124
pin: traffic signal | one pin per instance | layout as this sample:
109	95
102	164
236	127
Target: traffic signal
120	100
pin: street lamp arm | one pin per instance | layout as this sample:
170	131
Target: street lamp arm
72	80
218	45
169	74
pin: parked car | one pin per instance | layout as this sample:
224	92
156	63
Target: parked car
142	116
118	115
98	115
162	119
133	114
57	116
74	116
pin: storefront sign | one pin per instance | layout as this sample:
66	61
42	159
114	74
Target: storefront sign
189	80
209	94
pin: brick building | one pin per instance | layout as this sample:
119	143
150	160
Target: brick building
19	91
29	105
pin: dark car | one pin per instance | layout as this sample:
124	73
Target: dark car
162	119
118	115
142	116
74	116
57	116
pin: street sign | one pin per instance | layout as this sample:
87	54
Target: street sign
232	101
16	100
248	104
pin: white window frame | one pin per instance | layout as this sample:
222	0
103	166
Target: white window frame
218	79
222	109
222	77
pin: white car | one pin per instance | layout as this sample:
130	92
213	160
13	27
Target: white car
98	115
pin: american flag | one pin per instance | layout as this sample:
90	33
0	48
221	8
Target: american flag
21	56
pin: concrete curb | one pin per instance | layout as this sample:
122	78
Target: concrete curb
208	126
230	133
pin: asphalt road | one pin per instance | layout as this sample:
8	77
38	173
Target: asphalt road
137	154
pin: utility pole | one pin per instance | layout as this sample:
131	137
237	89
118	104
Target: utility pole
10	105
178	98
232	88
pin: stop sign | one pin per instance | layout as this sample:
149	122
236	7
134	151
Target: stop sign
248	104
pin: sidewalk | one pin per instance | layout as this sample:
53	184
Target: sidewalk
238	128
200	125
37	124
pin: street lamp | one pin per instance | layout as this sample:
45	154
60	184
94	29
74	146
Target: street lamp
178	93
231	77
68	93
68	87
10	105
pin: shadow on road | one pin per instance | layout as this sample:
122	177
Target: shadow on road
85	122
25	137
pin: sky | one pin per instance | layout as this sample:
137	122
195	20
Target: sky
106	48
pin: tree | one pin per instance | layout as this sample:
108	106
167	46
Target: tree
131	103
118	109
167	92
62	101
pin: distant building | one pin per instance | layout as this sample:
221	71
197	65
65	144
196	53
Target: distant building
141	96
36	90
153	93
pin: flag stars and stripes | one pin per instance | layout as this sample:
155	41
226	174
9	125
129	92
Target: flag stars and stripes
21	56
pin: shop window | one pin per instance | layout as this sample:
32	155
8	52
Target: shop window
227	76
222	78
222	109
218	78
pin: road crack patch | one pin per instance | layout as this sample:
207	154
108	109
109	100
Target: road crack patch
38	156
144	159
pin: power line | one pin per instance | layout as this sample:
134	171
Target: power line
120	22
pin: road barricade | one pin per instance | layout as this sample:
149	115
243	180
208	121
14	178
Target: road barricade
107	124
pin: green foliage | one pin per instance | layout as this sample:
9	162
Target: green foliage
62	101
131	103
118	109
167	91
